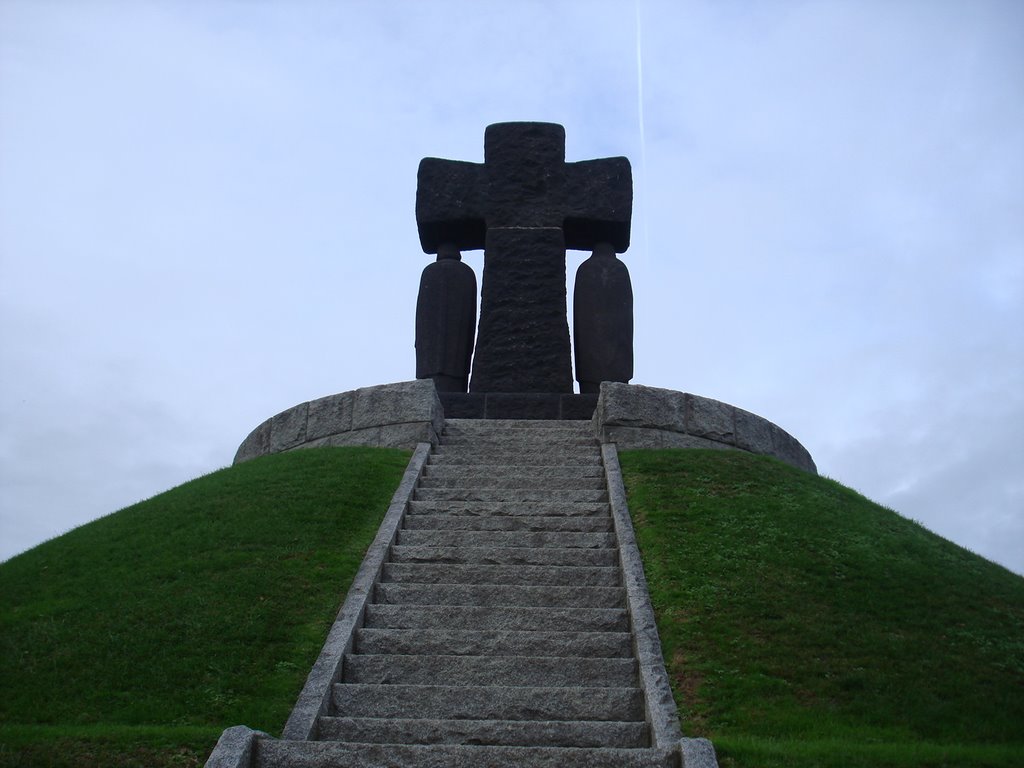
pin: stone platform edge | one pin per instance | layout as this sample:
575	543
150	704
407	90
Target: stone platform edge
400	415
407	413
634	416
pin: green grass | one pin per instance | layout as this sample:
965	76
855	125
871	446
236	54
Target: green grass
135	639
803	625
806	626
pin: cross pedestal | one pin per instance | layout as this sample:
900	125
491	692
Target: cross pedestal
524	205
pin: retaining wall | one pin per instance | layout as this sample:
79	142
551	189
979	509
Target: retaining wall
386	416
632	416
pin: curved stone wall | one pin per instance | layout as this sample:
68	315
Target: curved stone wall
387	416
634	416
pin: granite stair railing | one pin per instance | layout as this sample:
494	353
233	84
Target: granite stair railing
507	624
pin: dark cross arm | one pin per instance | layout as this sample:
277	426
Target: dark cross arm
599	203
451	199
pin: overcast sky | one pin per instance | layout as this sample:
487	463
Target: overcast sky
207	216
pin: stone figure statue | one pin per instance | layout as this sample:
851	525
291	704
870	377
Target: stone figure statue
603	320
446	321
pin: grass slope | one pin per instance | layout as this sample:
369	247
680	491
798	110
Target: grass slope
806	626
135	639
803	625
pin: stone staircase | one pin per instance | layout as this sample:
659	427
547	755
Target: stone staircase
499	631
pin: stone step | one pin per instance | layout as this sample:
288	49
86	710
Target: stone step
522	618
471	473
488	702
522	481
550	523
493	642
572	671
515	733
566	539
513	457
507	494
533	575
499	595
517	440
273	753
511	508
482	426
502	555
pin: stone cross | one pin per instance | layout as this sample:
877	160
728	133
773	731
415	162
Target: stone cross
524	205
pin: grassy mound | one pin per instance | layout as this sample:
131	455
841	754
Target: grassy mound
803	625
135	639
806	626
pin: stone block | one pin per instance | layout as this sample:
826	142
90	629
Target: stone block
288	428
698	753
406	436
638	438
396	404
235	748
329	415
578	406
710	419
788	449
633	405
501	405
461	405
753	433
256	444
369	437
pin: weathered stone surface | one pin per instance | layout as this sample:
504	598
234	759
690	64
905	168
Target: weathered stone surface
698	753
271	753
523	343
506	539
710	418
329	416
639	438
632	405
370	437
505	405
753	433
566	576
391	416
578	406
454	642
489	670
500	405
288	428
450	522
547	596
512	555
661	707
397	403
501	617
256	444
526	733
602	320
235	748
491	702
789	449
637	417
405	434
